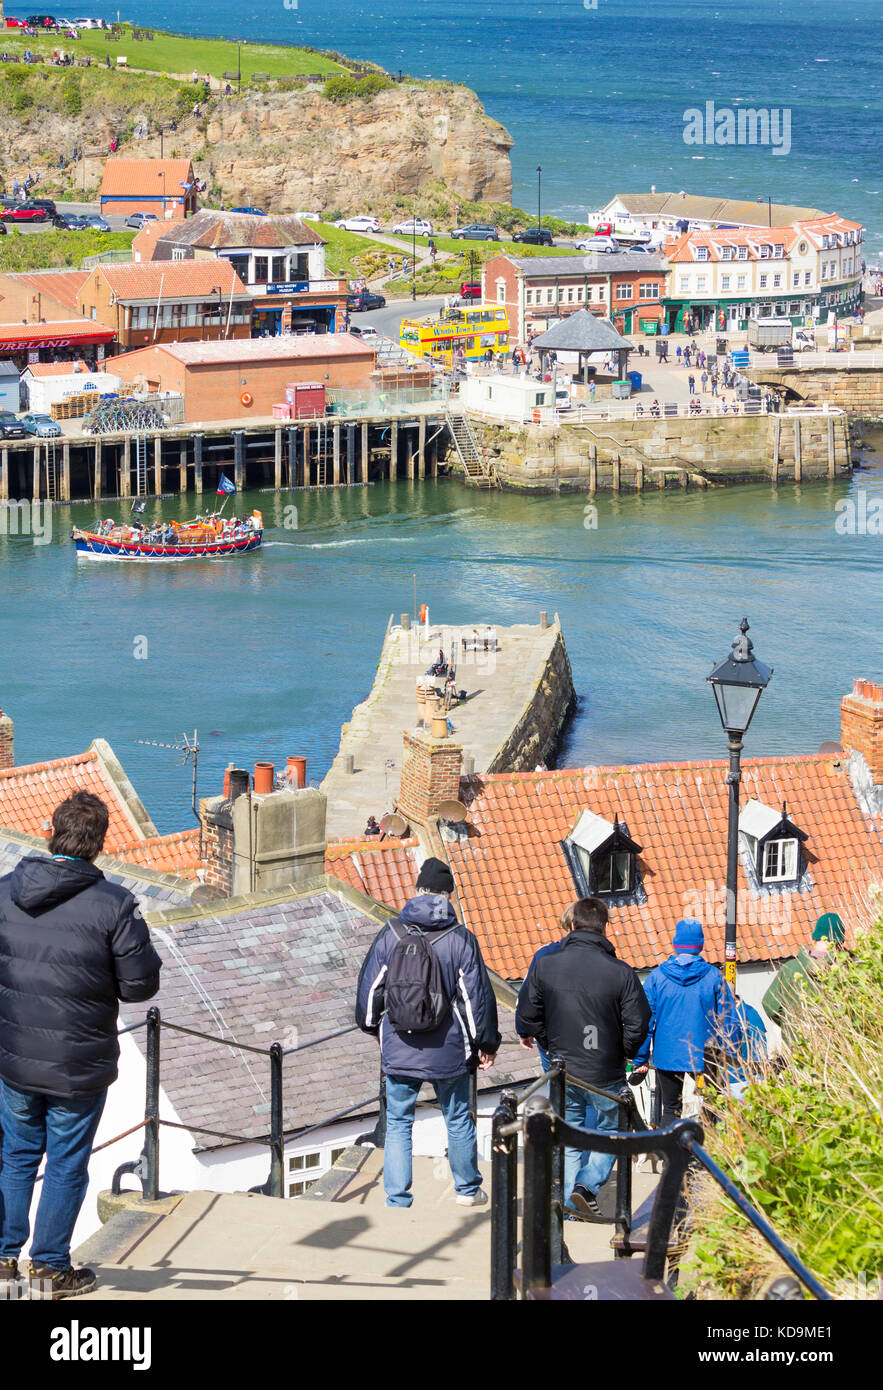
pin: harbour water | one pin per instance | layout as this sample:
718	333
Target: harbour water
267	654
596	92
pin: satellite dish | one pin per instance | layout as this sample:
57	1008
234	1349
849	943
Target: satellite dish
393	824
830	747
453	811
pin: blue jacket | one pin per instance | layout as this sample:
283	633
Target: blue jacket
471	1025
691	1004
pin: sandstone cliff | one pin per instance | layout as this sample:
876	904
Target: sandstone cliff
298	150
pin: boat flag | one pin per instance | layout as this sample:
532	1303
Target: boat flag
224	485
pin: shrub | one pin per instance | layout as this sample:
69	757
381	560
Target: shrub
71	96
345	89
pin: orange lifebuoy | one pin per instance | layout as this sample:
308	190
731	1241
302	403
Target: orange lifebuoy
246	398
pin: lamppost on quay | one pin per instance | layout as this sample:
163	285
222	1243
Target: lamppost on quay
738	683
414	255
769	202
539	187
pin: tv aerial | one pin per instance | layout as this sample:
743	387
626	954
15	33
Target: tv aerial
190	749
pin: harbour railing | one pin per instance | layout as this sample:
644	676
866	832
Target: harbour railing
639	410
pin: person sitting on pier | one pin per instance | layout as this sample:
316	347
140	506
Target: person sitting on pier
654	409
695	406
440	666
372	828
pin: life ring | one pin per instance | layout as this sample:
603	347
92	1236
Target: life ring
246	398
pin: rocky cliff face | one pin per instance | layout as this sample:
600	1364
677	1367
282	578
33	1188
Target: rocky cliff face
285	150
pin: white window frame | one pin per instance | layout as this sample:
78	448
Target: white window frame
742	253
779	860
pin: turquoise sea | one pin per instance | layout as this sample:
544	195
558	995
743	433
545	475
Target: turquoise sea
596	95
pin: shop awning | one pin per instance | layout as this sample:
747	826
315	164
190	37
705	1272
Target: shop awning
25	337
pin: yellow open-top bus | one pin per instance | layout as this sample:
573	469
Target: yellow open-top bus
474	328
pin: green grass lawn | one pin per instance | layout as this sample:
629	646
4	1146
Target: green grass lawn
175	53
486	250
53	250
352	255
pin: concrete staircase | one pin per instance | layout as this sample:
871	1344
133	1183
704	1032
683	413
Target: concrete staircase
347	1246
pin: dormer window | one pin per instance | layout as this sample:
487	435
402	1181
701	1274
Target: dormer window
742	253
772	842
702	253
602	857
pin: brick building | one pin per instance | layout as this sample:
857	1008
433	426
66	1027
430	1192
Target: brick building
165	187
539	290
235	380
169	302
42	321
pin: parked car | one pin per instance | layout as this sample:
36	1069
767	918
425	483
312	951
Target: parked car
535	236
42	21
41	425
16	23
415	226
137	219
360	223
253	212
24	212
10	426
69	222
475	231
96	222
365	299
562	399
87	24
470	289
309	216
597	243
46	203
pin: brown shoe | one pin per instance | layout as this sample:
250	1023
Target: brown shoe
8	1270
60	1283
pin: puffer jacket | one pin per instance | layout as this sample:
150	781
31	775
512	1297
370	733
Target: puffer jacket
691	1005
470	1026
71	946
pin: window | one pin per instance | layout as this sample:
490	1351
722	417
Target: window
261	270
701	283
588	294
742	253
549	294
501	292
240	265
702	253
570	295
623	291
579	295
778	252
528	296
765	251
725	282
772	842
727	253
601	856
763	281
779	860
280	269
796	278
807	277
308	1168
649	291
177	253
741	281
777	281
612	872
684	285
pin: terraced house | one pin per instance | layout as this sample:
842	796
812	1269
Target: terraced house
171	302
539	290
807	271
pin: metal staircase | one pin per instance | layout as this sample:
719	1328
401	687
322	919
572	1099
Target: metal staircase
51	464
474	468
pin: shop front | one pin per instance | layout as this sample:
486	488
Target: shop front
301	306
29	343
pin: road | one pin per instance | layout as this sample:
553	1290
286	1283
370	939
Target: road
387	320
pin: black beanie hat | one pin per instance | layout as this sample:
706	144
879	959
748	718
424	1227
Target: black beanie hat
435	876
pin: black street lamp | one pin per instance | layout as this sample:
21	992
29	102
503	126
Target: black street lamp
414	256
769	202
738	683
539	185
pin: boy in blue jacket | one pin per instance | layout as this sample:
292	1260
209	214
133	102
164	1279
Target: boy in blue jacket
691	1005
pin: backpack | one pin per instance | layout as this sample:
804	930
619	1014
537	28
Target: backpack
414	990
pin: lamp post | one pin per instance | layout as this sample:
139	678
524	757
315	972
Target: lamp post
414	256
769	202
738	683
539	187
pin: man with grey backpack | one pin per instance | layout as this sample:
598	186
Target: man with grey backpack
424	992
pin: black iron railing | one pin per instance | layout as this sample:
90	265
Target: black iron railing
545	1132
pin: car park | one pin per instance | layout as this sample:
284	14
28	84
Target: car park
365	299
24	212
475	231
416	226
95	222
534	236
10	426
358	224
137	219
41	425
69	222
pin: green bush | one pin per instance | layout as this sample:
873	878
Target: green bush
71	96
805	1148
345	89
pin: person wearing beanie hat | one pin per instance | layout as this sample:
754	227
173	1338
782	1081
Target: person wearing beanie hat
691	1006
426	960
799	974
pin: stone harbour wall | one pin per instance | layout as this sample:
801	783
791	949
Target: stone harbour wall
536	733
634	455
857	390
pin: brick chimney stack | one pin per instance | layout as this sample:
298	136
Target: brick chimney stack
7	736
431	769
861	738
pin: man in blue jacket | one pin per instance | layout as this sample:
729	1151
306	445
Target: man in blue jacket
466	1036
71	946
691	1006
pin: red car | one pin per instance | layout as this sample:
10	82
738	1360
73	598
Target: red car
23	212
16	23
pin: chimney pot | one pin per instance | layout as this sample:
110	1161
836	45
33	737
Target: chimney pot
263	778
297	770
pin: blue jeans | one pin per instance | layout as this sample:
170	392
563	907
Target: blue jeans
586	1168
63	1130
401	1102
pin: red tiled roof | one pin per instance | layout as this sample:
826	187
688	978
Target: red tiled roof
144	176
74	331
386	871
177	853
29	795
40	369
513	881
173	279
63	285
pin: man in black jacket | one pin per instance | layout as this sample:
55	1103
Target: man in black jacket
71	946
591	1011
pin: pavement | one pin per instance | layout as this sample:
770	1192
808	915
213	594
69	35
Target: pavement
244	1247
499	686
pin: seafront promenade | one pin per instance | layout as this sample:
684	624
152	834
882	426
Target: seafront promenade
518	693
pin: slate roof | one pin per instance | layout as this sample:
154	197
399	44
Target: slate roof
385	870
210	229
29	795
154	892
582	332
131	177
513	881
171	280
713	209
586	263
265	969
